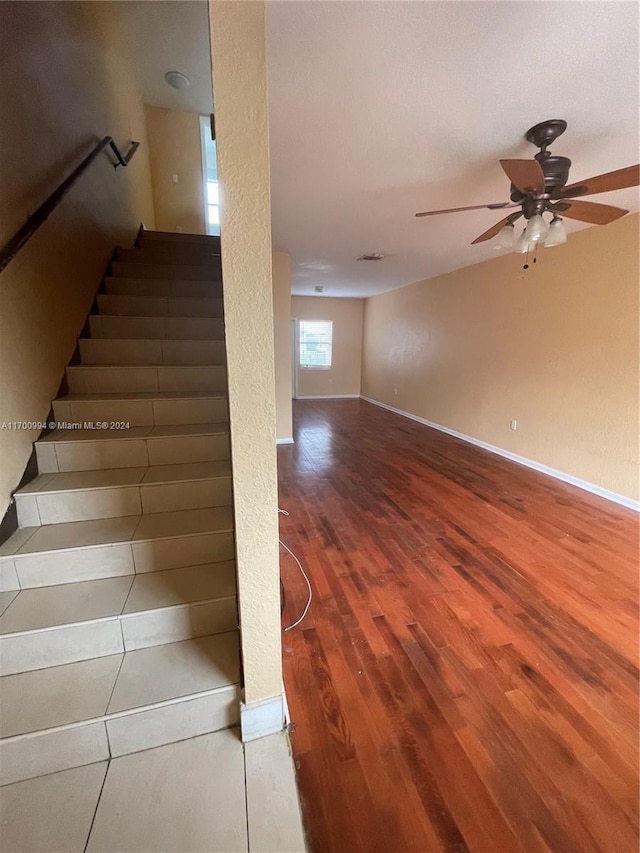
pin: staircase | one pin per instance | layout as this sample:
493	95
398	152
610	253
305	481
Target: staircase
118	625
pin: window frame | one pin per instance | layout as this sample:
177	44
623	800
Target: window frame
301	324
205	134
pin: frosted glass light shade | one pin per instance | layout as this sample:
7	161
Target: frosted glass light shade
557	234
536	229
522	244
505	238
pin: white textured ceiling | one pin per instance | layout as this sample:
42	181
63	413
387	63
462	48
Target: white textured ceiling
382	109
169	35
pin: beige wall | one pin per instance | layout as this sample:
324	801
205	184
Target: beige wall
555	347
174	149
64	83
282	342
240	96
343	378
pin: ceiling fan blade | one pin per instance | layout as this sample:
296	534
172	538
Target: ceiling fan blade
526	175
618	180
497	206
591	211
491	232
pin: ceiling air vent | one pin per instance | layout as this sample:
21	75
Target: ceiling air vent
318	289
371	256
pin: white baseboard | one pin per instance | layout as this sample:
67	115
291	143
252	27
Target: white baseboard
258	719
332	397
284	441
623	500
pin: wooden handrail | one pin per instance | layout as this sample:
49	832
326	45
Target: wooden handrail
13	246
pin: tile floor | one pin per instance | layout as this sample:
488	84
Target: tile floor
209	794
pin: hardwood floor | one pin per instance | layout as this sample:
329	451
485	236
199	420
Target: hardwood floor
466	677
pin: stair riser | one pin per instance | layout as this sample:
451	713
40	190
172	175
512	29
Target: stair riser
88	504
143	412
160	306
176	256
109	352
123	269
25	757
72	565
203	242
130	453
163	287
157	328
109	380
57	646
186	719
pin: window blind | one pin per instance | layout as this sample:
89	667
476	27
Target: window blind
316	337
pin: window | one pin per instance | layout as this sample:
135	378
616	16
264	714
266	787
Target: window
315	343
210	174
213	207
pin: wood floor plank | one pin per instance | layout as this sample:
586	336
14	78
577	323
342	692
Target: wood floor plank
467	676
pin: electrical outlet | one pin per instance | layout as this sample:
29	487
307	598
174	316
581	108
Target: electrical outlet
174	178
179	229
514	425
395	391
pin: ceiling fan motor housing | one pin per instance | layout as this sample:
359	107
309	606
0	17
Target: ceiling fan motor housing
556	175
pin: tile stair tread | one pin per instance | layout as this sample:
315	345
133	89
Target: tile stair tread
179	245
173	257
194	289
142	395
133	317
178	236
168	267
174	298
215	658
148	340
51	606
146	366
186	246
135	433
6	598
173	281
42	608
160	366
127	269
118	477
119	683
106	531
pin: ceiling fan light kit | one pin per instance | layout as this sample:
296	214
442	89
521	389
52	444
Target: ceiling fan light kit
557	233
522	245
536	229
539	186
506	237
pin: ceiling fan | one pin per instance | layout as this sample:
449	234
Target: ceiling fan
539	186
